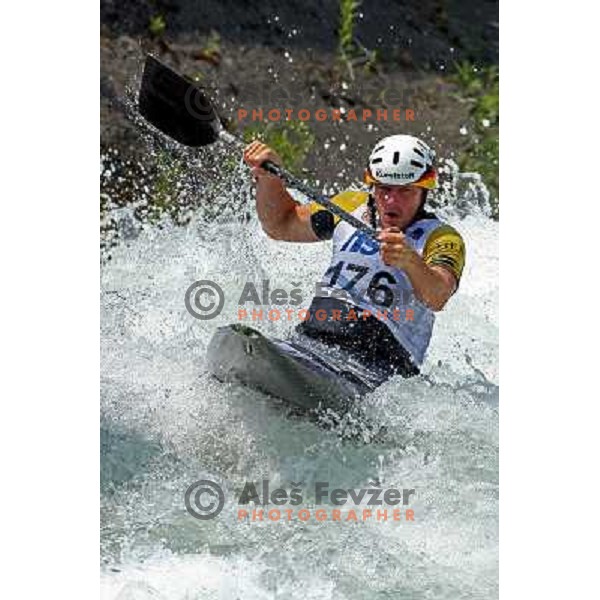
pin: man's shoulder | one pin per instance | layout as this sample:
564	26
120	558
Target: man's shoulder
348	200
434	226
324	223
445	231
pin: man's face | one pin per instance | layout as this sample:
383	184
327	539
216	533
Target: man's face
397	205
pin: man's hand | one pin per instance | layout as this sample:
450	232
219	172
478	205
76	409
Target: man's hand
255	154
281	218
432	284
395	250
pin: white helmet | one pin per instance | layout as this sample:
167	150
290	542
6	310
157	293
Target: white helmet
402	160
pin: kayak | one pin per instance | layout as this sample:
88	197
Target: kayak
301	371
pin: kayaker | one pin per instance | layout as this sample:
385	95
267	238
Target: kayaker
394	285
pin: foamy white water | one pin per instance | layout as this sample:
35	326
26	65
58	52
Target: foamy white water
166	424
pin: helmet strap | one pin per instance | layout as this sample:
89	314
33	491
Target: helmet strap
372	210
421	212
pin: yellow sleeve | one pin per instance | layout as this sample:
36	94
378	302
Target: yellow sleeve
446	248
323	222
349	201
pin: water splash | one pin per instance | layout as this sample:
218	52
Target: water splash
460	194
166	423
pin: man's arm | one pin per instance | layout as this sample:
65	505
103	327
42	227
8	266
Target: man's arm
280	217
433	284
435	276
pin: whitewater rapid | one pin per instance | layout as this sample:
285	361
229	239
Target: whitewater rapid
166	424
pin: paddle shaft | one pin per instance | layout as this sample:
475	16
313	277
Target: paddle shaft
295	183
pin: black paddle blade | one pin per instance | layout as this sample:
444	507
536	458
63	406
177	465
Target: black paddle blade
176	106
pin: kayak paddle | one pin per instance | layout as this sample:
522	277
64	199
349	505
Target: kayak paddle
180	109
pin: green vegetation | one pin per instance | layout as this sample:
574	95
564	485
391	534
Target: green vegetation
351	53
209	53
346	46
346	30
480	87
164	197
213	45
157	25
373	60
292	140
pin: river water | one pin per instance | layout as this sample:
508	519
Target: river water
166	424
